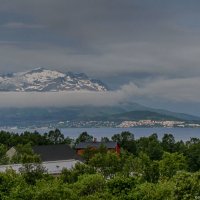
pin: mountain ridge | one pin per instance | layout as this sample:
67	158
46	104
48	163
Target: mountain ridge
45	80
41	116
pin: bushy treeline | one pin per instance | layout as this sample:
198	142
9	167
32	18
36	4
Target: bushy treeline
106	176
147	168
23	143
52	137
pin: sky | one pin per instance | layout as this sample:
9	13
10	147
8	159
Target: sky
146	51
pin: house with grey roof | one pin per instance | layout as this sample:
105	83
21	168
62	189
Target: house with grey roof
56	152
54	158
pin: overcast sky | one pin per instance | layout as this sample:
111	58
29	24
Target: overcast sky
151	47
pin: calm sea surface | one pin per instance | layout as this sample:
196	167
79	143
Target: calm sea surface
179	133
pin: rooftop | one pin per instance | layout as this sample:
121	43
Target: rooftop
84	145
56	152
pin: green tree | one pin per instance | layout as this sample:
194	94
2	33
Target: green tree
5	138
84	137
150	168
180	147
53	189
71	175
187	186
21	191
31	172
152	191
171	163
3	158
120	186
193	154
168	143
107	164
25	154
105	139
55	137
151	146
89	184
68	141
34	138
89	153
128	165
126	141
8	180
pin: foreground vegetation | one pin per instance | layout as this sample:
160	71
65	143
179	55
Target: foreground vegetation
147	168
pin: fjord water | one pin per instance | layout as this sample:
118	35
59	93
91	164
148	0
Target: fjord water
179	133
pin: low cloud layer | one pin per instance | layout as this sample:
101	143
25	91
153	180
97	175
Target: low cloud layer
174	90
102	38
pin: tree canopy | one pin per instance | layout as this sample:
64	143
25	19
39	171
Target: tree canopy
147	168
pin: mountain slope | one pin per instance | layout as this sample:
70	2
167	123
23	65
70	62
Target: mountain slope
138	115
41	116
43	80
138	107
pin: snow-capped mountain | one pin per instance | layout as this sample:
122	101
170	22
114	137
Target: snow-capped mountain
44	80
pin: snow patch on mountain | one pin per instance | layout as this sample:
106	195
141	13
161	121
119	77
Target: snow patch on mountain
44	80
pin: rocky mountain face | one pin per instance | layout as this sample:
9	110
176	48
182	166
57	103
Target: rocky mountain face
44	80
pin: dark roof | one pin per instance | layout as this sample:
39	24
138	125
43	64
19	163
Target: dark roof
56	152
84	145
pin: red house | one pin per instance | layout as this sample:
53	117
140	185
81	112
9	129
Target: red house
111	146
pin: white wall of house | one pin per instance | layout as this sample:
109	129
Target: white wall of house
52	167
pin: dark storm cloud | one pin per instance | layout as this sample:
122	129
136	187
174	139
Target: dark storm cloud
151	43
115	36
